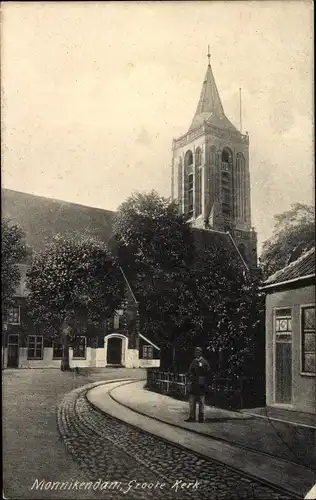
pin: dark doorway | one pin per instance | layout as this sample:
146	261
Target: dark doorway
114	352
13	351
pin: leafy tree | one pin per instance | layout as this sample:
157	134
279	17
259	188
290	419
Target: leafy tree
294	232
73	284
155	249
13	251
228	311
187	297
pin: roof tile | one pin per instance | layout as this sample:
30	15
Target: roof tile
303	266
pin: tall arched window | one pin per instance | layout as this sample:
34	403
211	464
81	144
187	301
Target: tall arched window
198	157
226	156
226	182
189	182
188	159
240	186
213	155
198	193
180	184
190	194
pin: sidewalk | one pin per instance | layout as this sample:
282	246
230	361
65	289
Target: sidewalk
132	404
279	439
292	417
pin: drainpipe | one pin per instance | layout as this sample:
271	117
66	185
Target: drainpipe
4	338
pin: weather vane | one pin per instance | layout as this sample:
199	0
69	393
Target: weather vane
208	55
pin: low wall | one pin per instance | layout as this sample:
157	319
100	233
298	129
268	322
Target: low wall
149	363
131	358
95	358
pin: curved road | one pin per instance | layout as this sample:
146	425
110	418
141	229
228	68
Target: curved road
83	453
136	465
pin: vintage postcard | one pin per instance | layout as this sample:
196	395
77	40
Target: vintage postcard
158	250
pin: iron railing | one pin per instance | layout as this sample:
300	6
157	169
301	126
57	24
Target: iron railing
225	392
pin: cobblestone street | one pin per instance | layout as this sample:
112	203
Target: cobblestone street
32	447
107	448
99	449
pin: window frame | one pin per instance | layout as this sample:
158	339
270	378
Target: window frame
147	346
191	194
35	358
198	156
85	349
302	372
274	343
199	184
18	307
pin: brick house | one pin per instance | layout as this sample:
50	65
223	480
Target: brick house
118	343
290	336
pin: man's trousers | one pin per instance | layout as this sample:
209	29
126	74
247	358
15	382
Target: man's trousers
197	399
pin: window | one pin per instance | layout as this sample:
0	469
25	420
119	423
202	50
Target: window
226	201
79	347
116	322
190	194
199	192
148	352
13	315
308	340
57	348
225	156
13	339
213	155
226	196
188	159
198	157
240	186
226	183
35	347
283	356
118	319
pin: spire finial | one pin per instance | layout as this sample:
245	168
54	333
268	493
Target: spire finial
209	55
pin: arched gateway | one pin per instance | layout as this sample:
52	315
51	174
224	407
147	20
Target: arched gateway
115	346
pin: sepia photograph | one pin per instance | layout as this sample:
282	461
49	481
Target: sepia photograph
158	250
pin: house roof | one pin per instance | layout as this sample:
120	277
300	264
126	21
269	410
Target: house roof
210	108
41	218
302	268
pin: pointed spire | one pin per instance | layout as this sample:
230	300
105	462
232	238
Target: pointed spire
210	105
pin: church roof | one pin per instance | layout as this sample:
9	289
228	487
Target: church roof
41	218
210	108
208	239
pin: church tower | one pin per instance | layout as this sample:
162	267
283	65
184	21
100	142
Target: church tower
210	172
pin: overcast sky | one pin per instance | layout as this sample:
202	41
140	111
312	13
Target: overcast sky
93	93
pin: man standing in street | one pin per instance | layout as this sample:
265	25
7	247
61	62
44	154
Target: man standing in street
198	379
